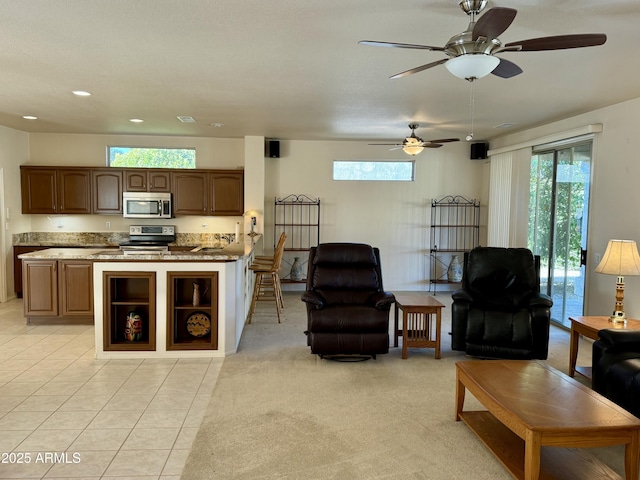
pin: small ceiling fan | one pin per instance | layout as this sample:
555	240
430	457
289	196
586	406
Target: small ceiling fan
413	145
472	52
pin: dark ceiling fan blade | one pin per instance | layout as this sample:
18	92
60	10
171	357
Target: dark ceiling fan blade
387	144
493	23
559	42
443	140
374	43
419	69
506	69
431	145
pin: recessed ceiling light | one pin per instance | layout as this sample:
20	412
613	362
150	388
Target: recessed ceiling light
186	119
81	93
136	120
29	117
217	125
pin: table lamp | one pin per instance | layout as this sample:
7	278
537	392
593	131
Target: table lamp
621	258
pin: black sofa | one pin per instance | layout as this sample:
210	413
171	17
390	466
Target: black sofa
347	307
616	367
499	312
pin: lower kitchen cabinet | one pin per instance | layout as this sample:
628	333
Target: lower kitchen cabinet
192	311
129	322
58	289
75	282
40	288
17	265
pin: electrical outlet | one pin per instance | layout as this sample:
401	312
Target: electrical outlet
59	223
596	258
204	226
108	225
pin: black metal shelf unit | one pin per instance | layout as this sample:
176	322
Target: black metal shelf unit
455	229
297	215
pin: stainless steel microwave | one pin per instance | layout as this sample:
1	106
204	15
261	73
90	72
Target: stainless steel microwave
146	205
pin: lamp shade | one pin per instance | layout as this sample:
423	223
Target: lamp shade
620	258
472	65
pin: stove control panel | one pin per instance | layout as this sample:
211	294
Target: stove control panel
160	230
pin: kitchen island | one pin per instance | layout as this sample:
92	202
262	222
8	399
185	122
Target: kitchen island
174	304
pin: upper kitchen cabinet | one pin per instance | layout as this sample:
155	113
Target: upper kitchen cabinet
190	193
226	190
147	180
59	190
212	192
107	191
39	192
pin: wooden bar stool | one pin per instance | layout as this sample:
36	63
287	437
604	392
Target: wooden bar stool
267	282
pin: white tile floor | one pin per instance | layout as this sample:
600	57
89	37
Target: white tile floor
64	414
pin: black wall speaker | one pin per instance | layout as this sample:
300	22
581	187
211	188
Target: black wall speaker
479	151
272	148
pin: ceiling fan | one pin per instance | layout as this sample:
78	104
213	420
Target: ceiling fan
413	145
472	52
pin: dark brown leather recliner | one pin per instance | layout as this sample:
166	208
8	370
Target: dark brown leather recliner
616	367
499	312
347	308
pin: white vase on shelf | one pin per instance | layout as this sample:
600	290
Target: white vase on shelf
454	272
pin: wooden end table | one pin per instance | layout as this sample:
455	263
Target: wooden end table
531	407
589	327
418	328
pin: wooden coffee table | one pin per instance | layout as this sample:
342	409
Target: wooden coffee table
418	327
532	407
589	327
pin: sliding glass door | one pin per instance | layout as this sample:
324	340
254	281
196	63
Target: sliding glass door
558	207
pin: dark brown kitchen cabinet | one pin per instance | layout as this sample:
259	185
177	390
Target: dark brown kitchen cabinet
58	289
190	193
226	190
40	288
75	287
55	190
143	180
39	190
17	265
208	193
74	191
107	191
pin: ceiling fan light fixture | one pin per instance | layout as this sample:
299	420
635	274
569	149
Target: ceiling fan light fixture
412	149
472	66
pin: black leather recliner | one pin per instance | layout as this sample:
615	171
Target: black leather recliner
499	312
616	367
347	307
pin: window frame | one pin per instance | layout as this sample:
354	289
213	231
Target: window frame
145	147
412	178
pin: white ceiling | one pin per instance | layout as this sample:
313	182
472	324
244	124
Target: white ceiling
293	69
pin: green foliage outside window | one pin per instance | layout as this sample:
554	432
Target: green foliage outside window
569	205
142	157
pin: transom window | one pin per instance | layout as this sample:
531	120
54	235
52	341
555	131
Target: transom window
149	157
374	170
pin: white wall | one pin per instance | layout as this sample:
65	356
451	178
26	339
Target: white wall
615	195
393	216
14	151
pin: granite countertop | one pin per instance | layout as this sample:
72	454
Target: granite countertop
231	252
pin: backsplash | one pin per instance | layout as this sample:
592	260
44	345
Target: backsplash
113	239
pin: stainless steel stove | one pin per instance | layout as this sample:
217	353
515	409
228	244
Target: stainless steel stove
149	239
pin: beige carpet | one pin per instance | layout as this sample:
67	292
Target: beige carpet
278	412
